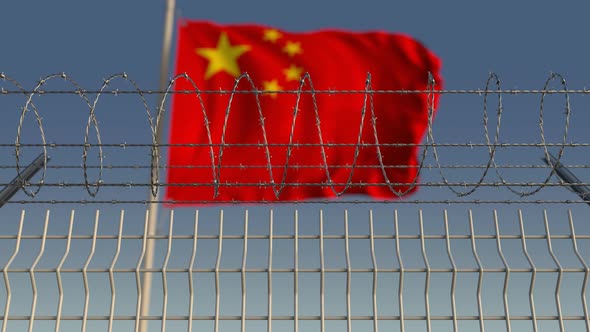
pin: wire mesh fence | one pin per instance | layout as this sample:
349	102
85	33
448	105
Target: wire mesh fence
301	275
492	239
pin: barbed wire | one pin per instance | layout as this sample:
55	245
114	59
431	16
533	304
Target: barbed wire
308	184
427	166
302	202
492	88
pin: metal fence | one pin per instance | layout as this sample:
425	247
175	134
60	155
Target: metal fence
472	250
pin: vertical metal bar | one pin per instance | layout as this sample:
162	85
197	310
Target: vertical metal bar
322	271
348	273
217	266
586	270
243	272
146	284
137	271
270	232
559	275
7	267
85	272
506	276
427	281
58	274
190	274
148	264
164	273
480	268
375	271
401	274
112	274
32	272
153	205
296	271
454	277
533	275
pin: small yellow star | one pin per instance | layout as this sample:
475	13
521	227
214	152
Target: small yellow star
223	58
272	86
292	48
272	35
293	73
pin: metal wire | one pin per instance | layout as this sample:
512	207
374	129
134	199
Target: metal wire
295	271
454	277
322	276
460	189
195	300
324	315
507	275
123	244
5	273
85	273
243	273
112	275
58	273
290	202
559	275
401	273
376	270
533	272
428	271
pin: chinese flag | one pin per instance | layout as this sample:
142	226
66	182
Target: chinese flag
254	145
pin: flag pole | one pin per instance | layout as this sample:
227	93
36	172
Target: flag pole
146	285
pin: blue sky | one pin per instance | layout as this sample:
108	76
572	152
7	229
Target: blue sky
522	41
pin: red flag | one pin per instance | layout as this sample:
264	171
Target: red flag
250	146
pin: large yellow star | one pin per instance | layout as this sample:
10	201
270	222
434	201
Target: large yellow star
223	58
292	48
272	35
293	73
272	86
